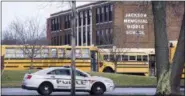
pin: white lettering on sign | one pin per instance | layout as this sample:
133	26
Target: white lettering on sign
135	23
133	32
135	26
138	15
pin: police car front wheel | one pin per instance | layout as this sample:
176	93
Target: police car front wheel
97	89
45	89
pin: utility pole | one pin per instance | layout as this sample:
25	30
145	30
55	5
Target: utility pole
73	72
115	58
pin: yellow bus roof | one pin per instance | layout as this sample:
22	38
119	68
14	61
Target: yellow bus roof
46	46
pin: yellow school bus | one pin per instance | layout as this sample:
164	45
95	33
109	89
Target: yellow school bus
88	58
128	60
14	57
173	45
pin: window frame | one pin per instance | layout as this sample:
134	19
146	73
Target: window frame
132	56
49	73
141	59
123	58
146	58
85	75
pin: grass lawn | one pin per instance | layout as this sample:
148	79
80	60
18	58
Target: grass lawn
14	79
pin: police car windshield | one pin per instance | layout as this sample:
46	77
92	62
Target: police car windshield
78	73
65	71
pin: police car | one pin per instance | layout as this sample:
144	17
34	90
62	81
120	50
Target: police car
55	79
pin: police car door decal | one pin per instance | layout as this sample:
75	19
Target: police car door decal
81	82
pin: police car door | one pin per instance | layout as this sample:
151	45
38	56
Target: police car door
82	80
61	78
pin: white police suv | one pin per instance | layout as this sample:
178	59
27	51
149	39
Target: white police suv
54	79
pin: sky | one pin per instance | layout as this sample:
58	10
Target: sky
24	10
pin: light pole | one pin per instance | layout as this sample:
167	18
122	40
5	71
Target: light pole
73	22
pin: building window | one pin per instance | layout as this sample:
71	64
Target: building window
102	14
79	38
79	19
60	23
69	39
84	17
106	13
54	42
55	23
69	21
97	15
61	41
101	37
57	27
110	12
65	24
88	37
51	41
65	39
111	36
97	37
88	17
107	37
52	23
84	36
58	39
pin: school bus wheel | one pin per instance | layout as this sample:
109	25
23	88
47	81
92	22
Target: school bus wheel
108	70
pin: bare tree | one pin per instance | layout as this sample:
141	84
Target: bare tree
29	33
8	38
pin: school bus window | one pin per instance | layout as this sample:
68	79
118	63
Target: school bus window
53	53
37	53
85	53
124	57
145	58
61	53
78	53
45	53
68	53
132	58
139	58
10	53
19	53
111	57
27	52
105	57
118	57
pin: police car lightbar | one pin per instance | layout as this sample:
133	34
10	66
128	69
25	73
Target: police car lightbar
67	66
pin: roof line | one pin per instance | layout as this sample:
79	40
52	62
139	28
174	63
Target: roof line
78	7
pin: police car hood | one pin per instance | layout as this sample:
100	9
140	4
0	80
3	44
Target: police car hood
99	78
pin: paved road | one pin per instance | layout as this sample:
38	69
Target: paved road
117	91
